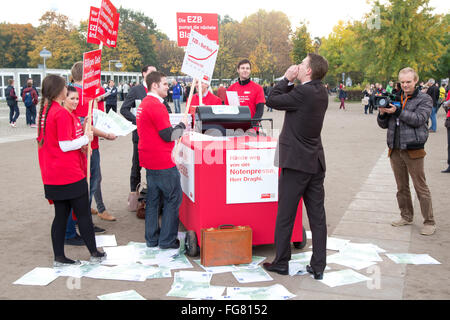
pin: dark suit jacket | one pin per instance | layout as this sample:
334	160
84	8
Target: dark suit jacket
136	93
300	143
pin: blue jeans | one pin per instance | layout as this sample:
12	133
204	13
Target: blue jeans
177	105
31	115
13	112
165	184
433	119
94	183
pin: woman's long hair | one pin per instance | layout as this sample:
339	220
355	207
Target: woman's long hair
52	86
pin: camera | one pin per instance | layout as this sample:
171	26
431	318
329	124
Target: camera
384	101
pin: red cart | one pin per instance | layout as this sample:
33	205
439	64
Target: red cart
205	201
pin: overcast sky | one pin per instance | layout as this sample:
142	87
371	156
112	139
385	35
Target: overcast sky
322	15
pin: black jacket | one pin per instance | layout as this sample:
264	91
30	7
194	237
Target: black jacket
136	93
433	92
300	143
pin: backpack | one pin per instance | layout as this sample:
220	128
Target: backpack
28	99
7	92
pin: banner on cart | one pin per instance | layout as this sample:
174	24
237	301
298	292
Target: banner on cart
251	176
186	167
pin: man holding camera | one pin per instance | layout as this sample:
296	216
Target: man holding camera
406	137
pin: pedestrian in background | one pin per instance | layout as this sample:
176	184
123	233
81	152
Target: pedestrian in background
111	99
342	96
11	100
30	98
433	92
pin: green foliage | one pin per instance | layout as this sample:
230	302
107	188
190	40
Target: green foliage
302	44
15	43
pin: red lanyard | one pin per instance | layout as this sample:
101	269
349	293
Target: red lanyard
404	103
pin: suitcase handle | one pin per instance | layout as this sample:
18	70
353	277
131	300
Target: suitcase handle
226	226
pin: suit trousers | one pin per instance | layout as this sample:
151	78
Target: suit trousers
293	185
135	176
403	167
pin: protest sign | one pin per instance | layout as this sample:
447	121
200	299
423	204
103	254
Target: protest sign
92	68
200	58
108	24
251	176
92	27
204	23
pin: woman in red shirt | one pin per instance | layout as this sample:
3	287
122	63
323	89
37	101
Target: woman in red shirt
447	125
62	171
209	99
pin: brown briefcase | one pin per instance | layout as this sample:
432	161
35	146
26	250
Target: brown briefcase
226	245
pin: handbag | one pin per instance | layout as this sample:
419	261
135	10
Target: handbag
133	198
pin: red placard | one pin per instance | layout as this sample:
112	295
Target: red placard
92	28
108	24
207	24
92	69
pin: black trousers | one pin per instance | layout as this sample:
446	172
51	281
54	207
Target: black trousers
111	106
448	146
82	211
293	185
135	176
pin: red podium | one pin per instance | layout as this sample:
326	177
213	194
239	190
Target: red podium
210	208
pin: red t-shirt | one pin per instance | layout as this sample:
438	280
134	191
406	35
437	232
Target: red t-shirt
151	118
209	100
250	95
58	167
82	110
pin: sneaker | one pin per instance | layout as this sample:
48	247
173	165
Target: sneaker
106	216
175	245
428	230
13	124
400	223
97	257
98	230
76	241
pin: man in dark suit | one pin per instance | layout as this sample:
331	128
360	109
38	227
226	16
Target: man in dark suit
128	110
302	160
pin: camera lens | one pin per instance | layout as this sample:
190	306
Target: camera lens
383	102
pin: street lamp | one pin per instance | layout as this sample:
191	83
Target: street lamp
119	65
45	54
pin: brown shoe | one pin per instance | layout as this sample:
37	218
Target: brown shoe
402	222
94	212
428	230
106	216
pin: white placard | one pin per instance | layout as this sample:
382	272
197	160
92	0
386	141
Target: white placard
251	176
225	109
233	98
186	167
200	58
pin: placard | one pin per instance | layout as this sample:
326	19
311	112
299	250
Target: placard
92	69
92	27
108	24
204	23
251	176
200	58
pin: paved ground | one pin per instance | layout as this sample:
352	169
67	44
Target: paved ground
360	204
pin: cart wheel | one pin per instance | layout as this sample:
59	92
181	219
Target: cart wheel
192	248
301	245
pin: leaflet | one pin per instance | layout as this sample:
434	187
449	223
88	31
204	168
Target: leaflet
38	277
218	269
349	261
248	275
106	241
124	295
179	262
112	123
409	258
275	292
360	251
342	278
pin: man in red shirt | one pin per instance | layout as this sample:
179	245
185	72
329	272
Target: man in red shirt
250	93
156	142
222	93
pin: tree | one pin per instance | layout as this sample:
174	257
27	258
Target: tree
15	43
169	57
301	44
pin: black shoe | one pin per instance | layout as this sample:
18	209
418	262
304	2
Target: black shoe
77	241
447	170
283	270
97	257
317	275
176	245
98	230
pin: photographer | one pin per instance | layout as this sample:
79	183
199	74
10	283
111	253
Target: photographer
406	137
